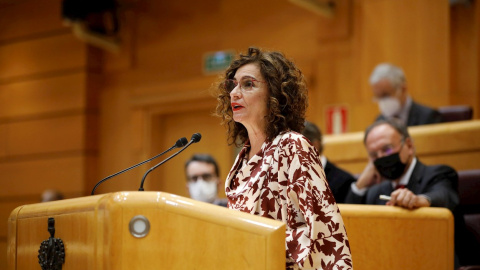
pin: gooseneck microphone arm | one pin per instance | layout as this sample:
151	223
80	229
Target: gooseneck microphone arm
180	143
195	138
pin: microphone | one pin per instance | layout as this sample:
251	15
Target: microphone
195	138
179	143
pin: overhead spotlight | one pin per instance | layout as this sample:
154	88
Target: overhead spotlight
95	22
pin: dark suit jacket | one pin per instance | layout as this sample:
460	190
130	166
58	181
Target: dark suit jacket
339	181
420	115
439	182
221	202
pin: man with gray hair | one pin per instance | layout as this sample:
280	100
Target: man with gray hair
390	90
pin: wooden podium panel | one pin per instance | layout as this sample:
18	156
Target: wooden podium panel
394	238
184	234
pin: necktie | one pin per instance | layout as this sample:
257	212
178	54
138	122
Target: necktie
399	186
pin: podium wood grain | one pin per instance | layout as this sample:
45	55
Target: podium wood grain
184	234
385	237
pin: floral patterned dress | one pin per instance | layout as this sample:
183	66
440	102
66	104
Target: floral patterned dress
285	181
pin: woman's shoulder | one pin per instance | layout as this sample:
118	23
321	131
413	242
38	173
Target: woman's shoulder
292	137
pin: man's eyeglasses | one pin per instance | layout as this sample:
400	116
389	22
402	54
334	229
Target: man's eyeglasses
204	177
387	150
246	84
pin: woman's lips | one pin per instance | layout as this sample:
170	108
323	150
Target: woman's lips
236	106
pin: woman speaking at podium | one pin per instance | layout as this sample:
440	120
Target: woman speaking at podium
262	101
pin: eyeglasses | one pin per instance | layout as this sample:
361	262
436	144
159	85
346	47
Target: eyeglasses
204	177
246	84
386	150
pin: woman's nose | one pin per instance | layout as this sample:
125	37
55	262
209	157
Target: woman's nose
235	92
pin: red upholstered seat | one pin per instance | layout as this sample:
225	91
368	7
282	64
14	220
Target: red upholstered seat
456	113
469	207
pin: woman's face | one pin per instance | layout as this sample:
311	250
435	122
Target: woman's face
249	98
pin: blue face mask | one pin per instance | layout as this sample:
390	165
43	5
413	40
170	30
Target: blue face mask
390	167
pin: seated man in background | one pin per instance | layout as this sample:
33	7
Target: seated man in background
51	195
203	179
390	90
394	171
338	179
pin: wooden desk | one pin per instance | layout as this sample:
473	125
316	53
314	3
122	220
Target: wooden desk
387	237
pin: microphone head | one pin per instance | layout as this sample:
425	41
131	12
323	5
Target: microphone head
196	137
181	142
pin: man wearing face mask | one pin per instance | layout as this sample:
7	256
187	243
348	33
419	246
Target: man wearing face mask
203	179
394	171
390	90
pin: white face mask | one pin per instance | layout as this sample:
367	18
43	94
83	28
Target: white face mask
205	191
389	106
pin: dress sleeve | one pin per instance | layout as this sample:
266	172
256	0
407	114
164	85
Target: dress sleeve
316	236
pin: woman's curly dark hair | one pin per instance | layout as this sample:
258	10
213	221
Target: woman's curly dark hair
288	97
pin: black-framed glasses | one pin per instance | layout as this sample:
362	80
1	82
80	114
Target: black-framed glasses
246	84
204	177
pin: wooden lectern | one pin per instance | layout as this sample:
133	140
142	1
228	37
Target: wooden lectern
144	230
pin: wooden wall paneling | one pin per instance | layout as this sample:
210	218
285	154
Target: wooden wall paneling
171	177
30	18
146	142
45	96
337	74
45	109
465	83
338	26
115	139
157	140
125	59
3	141
91	129
168	49
165	34
91	175
157	94
31	177
335	86
46	136
413	35
54	54
3	256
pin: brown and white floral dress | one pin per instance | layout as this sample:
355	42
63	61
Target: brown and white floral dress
285	181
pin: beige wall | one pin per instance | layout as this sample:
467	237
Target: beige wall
71	114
